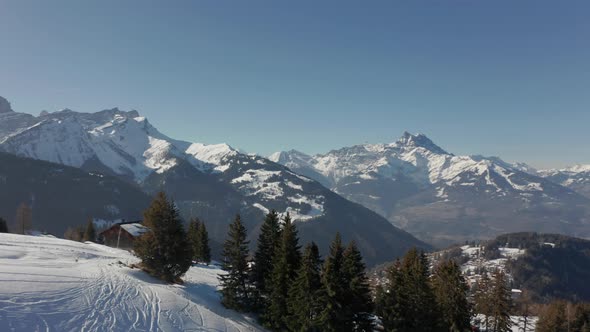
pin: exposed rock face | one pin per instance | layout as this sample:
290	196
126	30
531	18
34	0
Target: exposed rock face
4	105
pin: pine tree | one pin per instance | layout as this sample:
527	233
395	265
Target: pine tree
90	232
450	293
304	303
501	303
164	250
3	226
391	301
483	299
194	239
268	242
204	249
358	304
419	303
332	318
285	265
234	284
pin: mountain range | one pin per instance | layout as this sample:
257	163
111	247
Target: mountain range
213	182
443	198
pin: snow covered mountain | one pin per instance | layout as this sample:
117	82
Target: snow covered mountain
210	181
576	178
441	197
50	284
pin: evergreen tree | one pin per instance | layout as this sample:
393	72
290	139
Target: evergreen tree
268	242
304	303
3	226
204	249
391	301
332	318
358	304
199	241
285	265
164	250
483	300
501	302
194	239
90	232
450	293
234	284
419	305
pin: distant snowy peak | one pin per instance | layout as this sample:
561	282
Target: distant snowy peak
417	159
291	157
418	140
576	177
571	170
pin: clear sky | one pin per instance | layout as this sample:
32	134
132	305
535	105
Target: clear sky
506	78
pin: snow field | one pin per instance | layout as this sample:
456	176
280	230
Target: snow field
49	284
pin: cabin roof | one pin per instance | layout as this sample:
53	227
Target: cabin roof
135	229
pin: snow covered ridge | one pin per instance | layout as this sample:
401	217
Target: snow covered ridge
575	177
414	156
59	285
123	141
126	144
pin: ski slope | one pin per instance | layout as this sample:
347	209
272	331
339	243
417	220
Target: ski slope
50	284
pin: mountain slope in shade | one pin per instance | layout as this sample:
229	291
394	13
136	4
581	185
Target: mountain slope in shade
576	178
213	182
63	196
444	198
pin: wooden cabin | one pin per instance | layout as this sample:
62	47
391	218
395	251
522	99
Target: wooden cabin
122	235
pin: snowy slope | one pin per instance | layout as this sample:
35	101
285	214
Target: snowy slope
575	177
51	284
441	197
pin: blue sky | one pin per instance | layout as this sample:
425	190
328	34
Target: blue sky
506	78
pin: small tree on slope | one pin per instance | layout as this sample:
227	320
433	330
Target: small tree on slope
194	238
204	249
332	318
286	264
90	232
268	242
450	293
235	290
3	226
304	303
164	250
358	304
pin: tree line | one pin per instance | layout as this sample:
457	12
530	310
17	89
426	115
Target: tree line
23	221
168	250
294	290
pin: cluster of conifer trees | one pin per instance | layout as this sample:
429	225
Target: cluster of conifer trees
295	291
198	239
167	251
292	290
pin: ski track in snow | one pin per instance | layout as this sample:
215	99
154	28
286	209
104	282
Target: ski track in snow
49	284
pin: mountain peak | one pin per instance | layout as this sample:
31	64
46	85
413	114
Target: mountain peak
5	106
282	157
419	140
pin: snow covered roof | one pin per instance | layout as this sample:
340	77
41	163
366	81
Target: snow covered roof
135	229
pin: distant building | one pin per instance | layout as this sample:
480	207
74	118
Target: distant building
122	235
